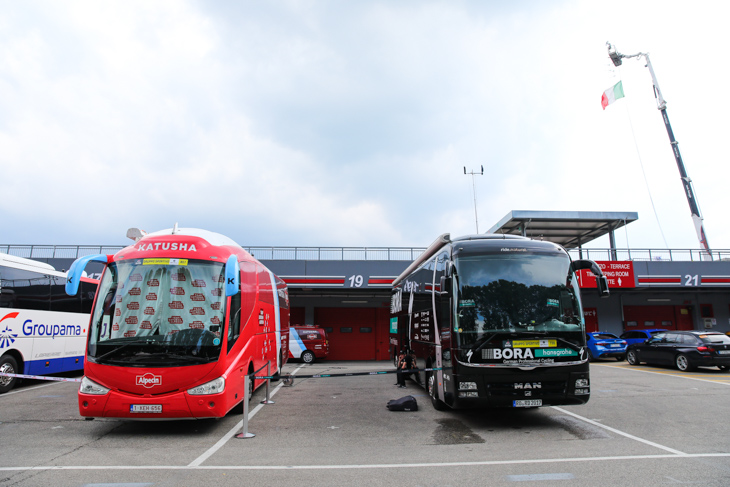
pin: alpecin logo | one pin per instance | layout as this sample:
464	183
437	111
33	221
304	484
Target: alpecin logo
7	337
149	380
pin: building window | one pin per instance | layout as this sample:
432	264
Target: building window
346	330
706	311
366	329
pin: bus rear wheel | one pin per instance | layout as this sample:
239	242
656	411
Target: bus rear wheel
8	365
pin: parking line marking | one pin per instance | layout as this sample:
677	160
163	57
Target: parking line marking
366	466
29	389
219	444
723	381
619	432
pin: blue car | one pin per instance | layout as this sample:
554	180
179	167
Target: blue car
605	345
640	336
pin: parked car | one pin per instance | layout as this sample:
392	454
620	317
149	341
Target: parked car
604	345
308	343
640	336
686	350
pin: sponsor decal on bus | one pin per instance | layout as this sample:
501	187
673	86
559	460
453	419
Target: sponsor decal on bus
531	343
166	246
149	380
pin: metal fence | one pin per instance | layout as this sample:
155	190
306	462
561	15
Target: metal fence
667	255
368	253
261	253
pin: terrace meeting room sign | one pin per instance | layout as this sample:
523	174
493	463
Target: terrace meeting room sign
620	274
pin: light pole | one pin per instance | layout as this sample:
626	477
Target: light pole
474	192
617	58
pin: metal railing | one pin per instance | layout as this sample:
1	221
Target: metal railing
656	255
260	252
368	253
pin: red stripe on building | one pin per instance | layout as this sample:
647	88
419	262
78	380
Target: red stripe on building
660	280
380	281
314	281
715	280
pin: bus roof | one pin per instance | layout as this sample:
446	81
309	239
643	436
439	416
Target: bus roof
24	264
211	237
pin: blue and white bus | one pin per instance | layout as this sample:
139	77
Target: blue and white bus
42	329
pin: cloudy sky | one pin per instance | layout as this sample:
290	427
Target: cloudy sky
349	123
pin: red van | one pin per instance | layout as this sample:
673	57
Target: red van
307	343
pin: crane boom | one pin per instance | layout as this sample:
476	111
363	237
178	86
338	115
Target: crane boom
662	107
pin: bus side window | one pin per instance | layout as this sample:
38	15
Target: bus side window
234	323
248	290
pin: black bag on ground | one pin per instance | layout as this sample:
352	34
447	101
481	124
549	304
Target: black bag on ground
406	403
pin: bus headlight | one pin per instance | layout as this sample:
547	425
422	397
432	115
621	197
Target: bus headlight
88	386
467	386
581	383
213	387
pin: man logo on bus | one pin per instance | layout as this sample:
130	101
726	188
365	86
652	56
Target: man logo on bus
7	337
149	380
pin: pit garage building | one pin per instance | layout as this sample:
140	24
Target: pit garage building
346	290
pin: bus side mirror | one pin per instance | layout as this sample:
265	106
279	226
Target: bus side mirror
232	271
601	281
74	274
602	284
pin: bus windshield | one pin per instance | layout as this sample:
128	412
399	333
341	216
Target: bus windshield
515	293
158	313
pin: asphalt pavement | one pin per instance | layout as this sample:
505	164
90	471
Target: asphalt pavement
643	426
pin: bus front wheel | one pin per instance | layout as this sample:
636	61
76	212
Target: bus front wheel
8	365
432	390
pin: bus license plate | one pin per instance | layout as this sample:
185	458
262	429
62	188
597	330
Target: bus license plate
145	408
526	403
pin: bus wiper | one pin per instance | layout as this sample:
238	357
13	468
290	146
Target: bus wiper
121	347
184	357
480	343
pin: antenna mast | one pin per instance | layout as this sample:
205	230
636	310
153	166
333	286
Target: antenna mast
474	192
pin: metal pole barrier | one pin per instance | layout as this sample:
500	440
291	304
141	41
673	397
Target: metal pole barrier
245	434
268	374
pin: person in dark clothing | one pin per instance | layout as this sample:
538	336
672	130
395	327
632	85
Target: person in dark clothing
406	361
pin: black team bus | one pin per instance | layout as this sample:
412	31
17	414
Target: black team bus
501	315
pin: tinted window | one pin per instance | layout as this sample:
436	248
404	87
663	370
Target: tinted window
673	338
604	336
658	337
688	339
309	334
718	338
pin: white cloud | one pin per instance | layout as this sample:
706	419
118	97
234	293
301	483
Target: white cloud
328	123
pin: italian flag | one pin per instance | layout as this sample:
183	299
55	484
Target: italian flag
612	94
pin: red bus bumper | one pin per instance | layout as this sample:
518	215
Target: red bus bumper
179	405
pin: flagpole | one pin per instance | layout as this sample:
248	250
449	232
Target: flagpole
697	219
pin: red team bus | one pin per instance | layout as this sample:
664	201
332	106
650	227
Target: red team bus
179	319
